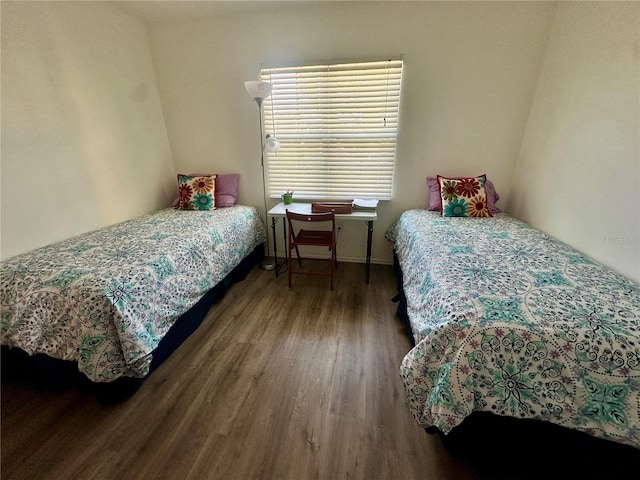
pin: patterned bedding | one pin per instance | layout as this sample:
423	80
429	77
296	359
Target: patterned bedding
511	321
105	299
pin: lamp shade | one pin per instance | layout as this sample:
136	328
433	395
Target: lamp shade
271	144
258	89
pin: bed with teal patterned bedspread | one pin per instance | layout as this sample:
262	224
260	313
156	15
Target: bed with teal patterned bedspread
510	321
106	299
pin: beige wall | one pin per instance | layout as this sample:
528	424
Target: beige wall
578	172
83	140
469	78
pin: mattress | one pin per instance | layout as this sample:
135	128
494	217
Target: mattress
106	299
511	321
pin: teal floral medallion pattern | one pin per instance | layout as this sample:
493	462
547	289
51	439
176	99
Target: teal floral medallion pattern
511	321
106	298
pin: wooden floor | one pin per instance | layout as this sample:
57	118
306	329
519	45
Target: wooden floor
277	383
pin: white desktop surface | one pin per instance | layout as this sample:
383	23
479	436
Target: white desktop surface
280	211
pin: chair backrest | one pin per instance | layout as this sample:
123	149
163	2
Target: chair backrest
310	218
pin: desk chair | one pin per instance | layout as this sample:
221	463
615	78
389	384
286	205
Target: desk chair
303	230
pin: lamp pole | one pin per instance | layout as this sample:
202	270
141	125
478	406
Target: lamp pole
267	263
259	91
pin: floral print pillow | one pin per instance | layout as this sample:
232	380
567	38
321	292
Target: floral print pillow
463	197
196	192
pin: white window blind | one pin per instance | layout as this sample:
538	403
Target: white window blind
337	126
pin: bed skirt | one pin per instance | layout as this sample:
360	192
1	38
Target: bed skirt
401	300
49	373
526	448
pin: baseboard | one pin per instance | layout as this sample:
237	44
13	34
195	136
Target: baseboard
374	261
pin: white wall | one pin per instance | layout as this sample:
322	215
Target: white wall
83	140
578	172
470	74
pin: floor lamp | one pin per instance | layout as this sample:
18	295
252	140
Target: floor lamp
259	91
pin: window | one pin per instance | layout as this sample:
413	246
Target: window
337	126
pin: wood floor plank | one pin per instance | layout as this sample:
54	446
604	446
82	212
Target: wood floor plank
277	383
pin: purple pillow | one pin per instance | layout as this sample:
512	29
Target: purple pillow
435	202
226	191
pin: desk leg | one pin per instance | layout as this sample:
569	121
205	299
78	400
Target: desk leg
284	241
275	243
369	235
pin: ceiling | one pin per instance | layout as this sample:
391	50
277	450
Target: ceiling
170	10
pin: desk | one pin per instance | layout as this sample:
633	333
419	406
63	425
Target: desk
279	211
